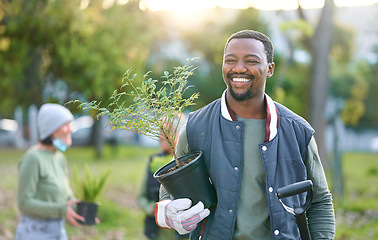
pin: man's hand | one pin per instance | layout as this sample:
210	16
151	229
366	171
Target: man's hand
179	215
71	215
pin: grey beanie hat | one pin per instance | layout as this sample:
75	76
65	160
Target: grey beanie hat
50	117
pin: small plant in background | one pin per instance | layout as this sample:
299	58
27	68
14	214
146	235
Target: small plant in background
89	188
152	112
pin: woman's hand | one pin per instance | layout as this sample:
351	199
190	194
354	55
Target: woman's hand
71	215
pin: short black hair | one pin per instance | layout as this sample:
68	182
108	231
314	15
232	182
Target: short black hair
47	141
268	45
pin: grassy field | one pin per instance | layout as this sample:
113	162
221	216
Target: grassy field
356	215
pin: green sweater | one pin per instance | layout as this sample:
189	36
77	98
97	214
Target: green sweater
43	187
252	221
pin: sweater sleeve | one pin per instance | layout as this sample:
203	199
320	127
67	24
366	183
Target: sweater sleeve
321	217
29	173
70	193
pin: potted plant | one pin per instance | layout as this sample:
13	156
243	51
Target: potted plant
88	190
153	112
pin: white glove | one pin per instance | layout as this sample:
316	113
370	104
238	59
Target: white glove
179	215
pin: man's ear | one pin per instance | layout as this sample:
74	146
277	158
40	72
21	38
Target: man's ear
270	69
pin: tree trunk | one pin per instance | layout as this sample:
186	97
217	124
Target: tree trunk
320	45
97	137
33	78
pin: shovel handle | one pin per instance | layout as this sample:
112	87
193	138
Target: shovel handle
294	189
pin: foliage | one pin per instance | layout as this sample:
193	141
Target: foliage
297	28
86	48
356	84
153	112
293	86
83	46
354	107
89	188
206	38
367	72
352	80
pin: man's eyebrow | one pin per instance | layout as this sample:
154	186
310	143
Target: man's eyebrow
229	55
249	55
253	55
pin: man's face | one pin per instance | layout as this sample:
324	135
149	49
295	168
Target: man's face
245	68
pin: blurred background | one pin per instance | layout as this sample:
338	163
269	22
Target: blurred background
326	55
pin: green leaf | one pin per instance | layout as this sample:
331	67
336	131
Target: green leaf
89	188
151	107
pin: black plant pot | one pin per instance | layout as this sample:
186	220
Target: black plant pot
88	211
189	181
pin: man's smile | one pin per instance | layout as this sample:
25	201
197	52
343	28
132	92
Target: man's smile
240	80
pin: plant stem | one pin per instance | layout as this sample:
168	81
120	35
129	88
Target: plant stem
170	140
176	159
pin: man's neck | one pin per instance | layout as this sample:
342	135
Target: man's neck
254	108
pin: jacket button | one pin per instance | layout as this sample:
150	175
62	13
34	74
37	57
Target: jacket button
230	211
236	169
276	232
264	148
270	189
237	127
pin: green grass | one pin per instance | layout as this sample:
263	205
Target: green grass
119	215
356	215
361	180
118	212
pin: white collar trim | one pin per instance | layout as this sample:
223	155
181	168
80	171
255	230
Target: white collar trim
271	119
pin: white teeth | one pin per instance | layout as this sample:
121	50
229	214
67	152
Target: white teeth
240	80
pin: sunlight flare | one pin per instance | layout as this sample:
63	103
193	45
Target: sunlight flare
186	6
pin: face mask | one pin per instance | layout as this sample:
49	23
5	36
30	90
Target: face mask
60	145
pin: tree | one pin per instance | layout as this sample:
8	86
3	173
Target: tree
29	27
370	72
319	46
85	47
207	41
99	50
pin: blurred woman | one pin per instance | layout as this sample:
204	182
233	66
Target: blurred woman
44	197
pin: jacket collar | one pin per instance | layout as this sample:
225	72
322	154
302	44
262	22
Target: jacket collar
271	125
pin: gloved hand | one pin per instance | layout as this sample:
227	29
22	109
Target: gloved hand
179	215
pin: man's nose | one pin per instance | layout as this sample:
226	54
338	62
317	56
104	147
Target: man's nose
240	67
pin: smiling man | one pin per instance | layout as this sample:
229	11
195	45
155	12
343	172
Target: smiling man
252	146
245	70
